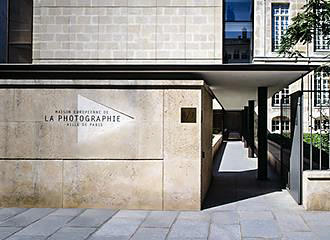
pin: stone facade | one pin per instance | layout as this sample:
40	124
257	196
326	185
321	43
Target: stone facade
128	31
263	53
144	157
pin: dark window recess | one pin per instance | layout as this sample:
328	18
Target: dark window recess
238	31
3	30
20	31
188	115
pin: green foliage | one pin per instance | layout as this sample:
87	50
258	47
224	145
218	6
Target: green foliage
318	140
303	26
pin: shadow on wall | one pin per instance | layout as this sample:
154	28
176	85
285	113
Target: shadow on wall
229	187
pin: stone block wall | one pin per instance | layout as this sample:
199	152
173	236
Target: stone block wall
128	31
263	33
141	156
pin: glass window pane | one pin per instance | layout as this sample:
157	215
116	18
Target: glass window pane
238	10
20	31
3	31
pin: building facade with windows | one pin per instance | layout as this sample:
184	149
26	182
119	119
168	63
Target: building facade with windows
150	71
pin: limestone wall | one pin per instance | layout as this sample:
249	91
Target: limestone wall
127	31
263	33
135	153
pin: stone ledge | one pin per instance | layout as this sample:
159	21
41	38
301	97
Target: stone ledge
316	190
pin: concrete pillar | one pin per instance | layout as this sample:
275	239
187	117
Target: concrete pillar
262	133
251	128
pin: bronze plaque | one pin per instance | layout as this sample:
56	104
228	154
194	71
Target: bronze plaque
188	115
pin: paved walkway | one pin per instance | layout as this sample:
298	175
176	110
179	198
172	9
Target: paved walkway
245	209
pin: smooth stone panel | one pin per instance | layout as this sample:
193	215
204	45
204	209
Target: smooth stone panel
113	184
182	156
27	183
33	135
316	194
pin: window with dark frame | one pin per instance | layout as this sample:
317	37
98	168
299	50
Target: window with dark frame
321	89
321	41
16	31
280	23
237	31
284	95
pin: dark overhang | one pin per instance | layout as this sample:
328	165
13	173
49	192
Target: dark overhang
136	71
232	84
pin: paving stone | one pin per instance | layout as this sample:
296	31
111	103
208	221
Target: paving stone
159	219
225	217
7	231
70	233
150	234
256	215
224	232
260	228
300	236
197	216
189	229
45	226
253	205
119	227
6	213
321	231
67	212
291	222
92	218
131	214
224	207
36	237
27	217
109	238
316	218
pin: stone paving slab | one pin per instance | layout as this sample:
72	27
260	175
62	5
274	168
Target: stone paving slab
150	234
225	217
119	227
6	213
29	237
72	233
224	232
26	218
92	218
260	229
183	228
7	231
159	219
221	222
45	226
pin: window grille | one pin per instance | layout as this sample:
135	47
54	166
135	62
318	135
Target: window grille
280	19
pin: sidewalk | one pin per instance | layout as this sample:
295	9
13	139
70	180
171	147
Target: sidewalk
272	216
